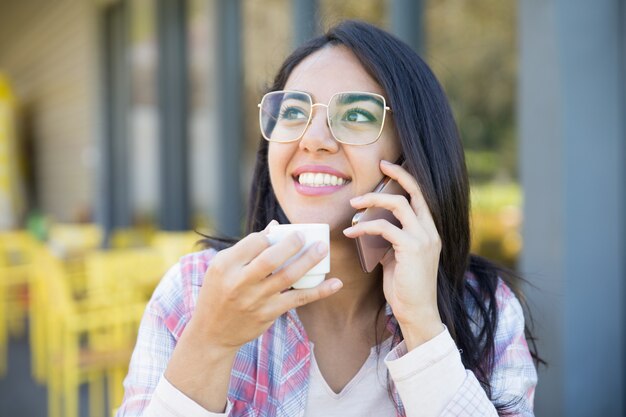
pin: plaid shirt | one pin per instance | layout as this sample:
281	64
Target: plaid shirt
270	374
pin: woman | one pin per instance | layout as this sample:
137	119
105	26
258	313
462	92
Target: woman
223	335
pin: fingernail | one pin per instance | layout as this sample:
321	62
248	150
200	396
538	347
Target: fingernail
336	285
321	248
348	230
356	199
385	162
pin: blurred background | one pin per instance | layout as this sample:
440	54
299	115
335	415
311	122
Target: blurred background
126	125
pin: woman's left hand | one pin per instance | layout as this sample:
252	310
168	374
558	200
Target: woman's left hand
410	266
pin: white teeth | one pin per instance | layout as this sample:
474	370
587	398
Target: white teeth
319	179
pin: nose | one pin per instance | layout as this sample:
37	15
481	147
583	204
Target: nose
317	136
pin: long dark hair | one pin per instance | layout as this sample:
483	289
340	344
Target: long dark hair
434	155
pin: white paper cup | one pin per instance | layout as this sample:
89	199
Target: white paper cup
313	233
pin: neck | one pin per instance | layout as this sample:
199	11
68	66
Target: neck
361	296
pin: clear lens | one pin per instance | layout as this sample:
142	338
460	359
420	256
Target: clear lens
356	118
284	115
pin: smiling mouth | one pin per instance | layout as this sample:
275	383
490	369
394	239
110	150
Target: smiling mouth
319	179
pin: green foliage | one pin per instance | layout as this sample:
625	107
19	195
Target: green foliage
472	49
482	164
372	11
496	218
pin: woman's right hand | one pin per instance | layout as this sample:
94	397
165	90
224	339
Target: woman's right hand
242	296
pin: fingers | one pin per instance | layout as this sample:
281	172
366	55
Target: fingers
380	227
397	204
410	185
275	256
414	216
247	248
297	298
287	276
408	182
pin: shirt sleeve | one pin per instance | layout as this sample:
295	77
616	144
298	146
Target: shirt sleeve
168	401
432	381
154	347
428	377
514	376
146	392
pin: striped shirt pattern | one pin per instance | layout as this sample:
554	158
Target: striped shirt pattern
270	374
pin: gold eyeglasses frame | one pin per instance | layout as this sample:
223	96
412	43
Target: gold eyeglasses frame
382	125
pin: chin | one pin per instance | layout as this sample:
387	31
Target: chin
336	221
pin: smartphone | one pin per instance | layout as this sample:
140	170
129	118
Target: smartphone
371	248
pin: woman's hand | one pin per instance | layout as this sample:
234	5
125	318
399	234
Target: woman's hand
242	296
410	267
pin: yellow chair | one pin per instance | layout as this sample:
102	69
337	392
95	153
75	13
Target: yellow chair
67	239
86	342
137	271
146	268
70	242
38	308
173	245
44	263
135	237
4	339
17	249
85	335
129	274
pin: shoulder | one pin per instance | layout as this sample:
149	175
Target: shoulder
187	273
174	298
510	315
194	266
504	295
514	376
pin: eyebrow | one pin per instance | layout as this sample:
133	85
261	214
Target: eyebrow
296	96
348	98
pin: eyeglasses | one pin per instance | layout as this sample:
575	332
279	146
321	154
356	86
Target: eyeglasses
354	117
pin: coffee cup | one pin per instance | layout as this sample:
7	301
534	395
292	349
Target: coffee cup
313	233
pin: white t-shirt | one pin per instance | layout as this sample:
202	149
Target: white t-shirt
366	391
426	378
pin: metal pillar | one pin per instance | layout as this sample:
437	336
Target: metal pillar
114	205
407	22
306	23
230	130
573	170
173	105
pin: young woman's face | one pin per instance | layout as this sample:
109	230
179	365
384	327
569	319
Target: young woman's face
322	74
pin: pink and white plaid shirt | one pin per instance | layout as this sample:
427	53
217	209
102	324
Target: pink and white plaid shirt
270	375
